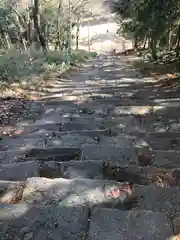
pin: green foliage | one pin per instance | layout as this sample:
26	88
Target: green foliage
20	56
149	20
17	67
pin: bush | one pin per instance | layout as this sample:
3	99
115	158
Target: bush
17	67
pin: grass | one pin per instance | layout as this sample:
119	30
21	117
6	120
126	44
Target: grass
30	70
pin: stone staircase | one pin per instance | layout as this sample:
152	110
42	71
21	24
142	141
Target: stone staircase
99	164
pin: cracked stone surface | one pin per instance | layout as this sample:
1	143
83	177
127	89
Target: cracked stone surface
119	225
26	222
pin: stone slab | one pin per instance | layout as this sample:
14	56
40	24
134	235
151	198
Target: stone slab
20	221
142	175
155	135
158	199
133	173
19	171
106	152
66	154
107	224
165	144
166	159
67	126
46	154
51	139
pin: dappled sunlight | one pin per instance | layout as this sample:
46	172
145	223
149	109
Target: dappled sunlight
118	69
102	95
139	110
82	100
131	80
47	111
116	83
168	100
94	82
171	104
89	94
58	95
83	94
149	79
158	108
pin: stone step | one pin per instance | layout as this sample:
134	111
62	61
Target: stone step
75	122
21	221
90	169
173	135
157	199
102	122
123	101
93	108
19	171
91	192
157	158
93	169
132	225
44	154
165	126
120	110
124	155
132	155
78	223
164	143
166	159
57	103
47	139
141	175
127	124
166	112
60	127
114	154
73	169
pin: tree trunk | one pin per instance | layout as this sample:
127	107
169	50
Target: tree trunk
29	27
22	42
178	41
5	40
153	47
145	43
77	34
58	38
135	44
169	38
36	17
